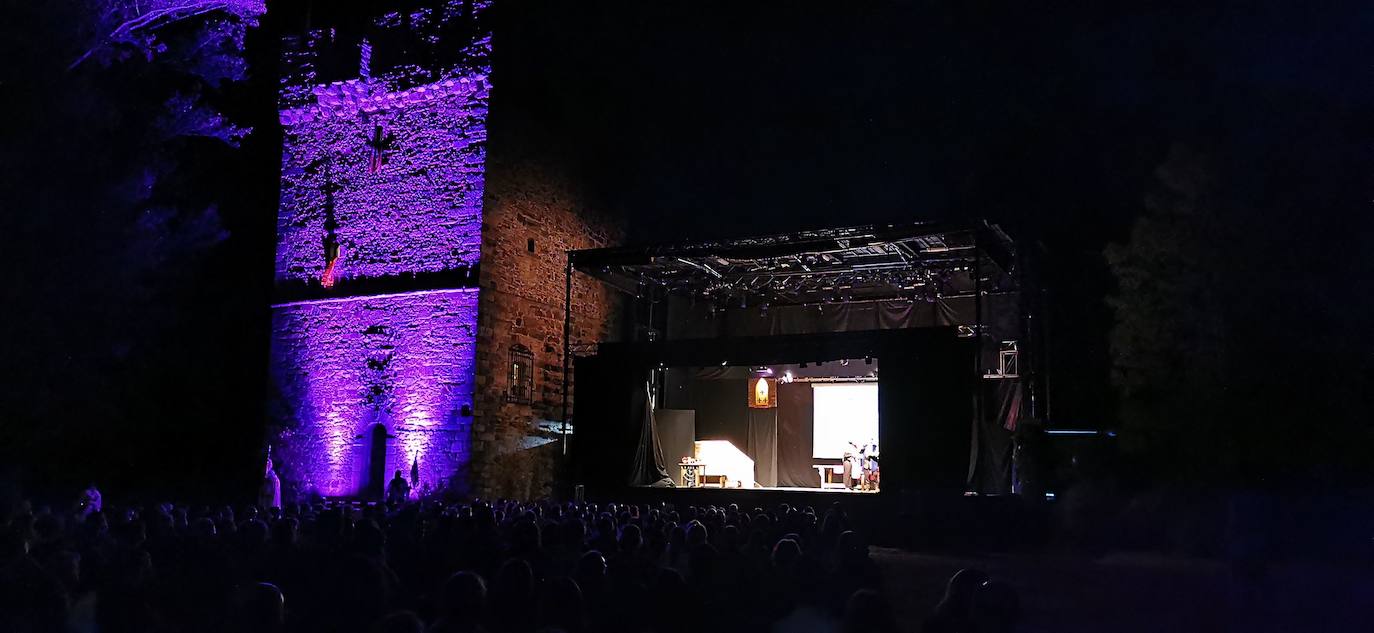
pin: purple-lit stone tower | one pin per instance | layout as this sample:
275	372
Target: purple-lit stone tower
378	242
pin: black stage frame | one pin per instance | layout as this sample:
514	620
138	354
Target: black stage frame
923	405
947	293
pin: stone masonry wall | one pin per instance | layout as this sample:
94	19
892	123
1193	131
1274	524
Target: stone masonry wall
341	366
522	303
383	155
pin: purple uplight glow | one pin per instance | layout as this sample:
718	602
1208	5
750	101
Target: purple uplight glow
404	361
406	181
382	177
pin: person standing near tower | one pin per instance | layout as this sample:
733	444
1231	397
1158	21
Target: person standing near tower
269	494
89	501
398	491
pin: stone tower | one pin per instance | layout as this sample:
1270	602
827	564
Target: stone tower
374	322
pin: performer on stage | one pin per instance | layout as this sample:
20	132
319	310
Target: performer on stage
868	455
853	468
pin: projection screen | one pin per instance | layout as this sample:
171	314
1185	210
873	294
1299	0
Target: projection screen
844	413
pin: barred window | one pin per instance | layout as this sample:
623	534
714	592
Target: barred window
521	383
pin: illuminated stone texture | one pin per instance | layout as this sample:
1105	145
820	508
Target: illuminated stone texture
531	205
382	172
404	361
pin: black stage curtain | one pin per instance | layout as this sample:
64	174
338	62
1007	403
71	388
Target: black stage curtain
1001	406
925	407
614	436
795	419
763	445
722	410
676	432
647	469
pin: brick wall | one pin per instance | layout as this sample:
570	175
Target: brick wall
522	296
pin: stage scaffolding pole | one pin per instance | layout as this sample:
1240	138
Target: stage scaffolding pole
567	349
972	481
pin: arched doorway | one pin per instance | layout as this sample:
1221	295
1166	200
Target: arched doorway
376	463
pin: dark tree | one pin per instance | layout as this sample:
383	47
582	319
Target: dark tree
1232	347
1169	344
119	160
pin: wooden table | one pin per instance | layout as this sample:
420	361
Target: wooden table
691	474
822	468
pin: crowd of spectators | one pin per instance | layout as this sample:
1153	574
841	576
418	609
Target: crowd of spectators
500	567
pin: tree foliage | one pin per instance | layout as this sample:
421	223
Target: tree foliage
114	187
1230	350
1169	344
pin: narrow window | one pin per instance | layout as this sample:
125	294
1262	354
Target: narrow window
521	385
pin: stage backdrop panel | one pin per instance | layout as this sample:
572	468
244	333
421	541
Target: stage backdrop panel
722	410
795	410
763	445
677	429
926	403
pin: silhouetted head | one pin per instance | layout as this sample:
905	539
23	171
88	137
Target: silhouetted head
398	622
630	538
996	608
786	553
574	532
285	531
696	534
515	576
867	611
561	606
254	533
958	599
464	596
591	566
261	607
203	528
525	536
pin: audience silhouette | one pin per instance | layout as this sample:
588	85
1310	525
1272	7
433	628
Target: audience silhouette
488	567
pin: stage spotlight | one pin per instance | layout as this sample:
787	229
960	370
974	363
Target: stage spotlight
724	363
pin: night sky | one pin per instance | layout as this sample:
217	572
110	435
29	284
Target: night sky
711	119
702	119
